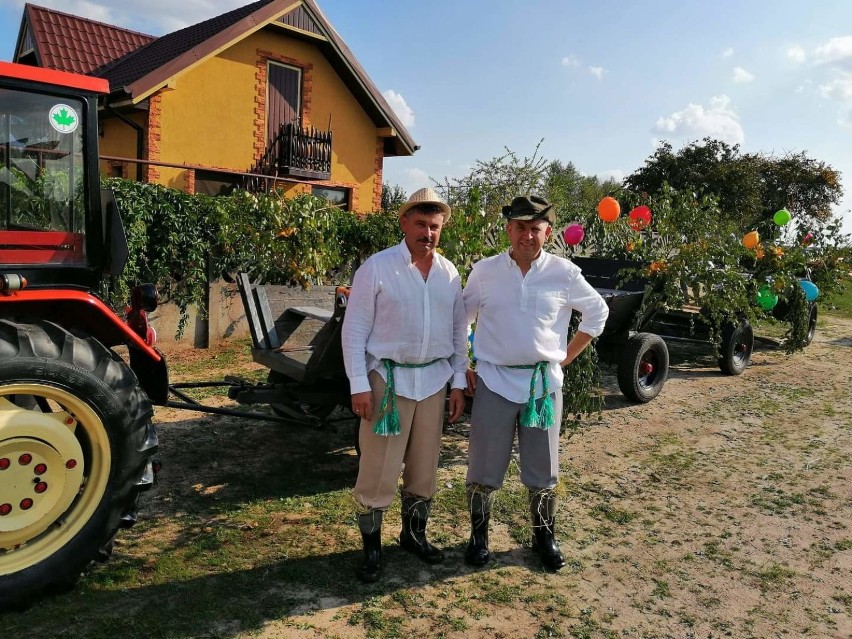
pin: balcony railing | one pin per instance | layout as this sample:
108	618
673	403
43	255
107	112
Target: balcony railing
297	151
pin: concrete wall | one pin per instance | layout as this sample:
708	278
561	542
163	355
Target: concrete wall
227	319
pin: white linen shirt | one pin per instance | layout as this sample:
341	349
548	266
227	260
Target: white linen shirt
393	313
525	319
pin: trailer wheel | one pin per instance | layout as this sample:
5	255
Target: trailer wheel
643	367
76	443
812	322
736	347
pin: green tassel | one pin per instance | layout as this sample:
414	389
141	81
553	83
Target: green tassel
546	415
388	423
530	417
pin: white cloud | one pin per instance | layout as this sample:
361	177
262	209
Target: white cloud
796	54
598	72
611	174
741	76
839	88
400	107
418	176
571	61
835	51
727	53
718	120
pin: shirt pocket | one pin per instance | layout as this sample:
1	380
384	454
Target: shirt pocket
548	304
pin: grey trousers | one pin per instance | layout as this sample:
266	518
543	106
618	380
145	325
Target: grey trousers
493	423
417	446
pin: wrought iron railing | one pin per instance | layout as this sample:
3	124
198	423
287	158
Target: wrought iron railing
297	151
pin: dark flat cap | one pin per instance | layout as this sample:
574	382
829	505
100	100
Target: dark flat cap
532	207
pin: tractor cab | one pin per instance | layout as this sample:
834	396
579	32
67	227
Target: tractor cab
54	228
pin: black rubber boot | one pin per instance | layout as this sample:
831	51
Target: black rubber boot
479	504
542	508
412	537
371	533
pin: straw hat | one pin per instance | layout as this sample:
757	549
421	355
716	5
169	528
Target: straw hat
426	196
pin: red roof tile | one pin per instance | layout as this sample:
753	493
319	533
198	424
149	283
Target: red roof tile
70	43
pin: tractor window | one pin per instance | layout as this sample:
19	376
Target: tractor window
41	178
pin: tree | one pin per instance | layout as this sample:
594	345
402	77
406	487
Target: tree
749	187
392	197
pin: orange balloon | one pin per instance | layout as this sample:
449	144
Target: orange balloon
751	239
609	209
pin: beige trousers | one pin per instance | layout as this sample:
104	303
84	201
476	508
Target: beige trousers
417	446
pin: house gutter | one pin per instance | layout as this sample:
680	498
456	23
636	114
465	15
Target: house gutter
140	135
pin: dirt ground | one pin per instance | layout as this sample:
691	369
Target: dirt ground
723	508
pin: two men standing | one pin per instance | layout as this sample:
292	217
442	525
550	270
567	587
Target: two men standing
404	339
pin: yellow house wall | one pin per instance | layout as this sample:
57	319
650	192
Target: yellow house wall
119	140
208	117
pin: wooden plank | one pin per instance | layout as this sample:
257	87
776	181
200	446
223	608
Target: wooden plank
314	312
270	335
292	365
244	286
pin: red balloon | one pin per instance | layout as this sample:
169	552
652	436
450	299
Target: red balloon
639	218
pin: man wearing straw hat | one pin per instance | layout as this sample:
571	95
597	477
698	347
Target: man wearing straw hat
521	301
404	338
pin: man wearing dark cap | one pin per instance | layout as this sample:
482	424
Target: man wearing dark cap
404	339
522	301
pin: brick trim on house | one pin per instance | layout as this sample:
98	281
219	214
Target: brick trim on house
377	171
152	136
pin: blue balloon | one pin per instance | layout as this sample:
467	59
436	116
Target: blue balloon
810	289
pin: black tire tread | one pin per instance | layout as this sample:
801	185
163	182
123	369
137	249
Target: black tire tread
628	367
730	333
127	416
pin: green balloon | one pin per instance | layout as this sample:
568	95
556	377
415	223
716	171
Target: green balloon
781	217
765	298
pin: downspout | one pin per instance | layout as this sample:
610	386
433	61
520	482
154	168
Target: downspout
140	135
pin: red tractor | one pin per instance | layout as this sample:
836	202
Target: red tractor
76	438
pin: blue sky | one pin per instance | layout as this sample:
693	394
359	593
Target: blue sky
601	82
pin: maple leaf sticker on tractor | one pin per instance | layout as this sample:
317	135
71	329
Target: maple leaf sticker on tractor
63	118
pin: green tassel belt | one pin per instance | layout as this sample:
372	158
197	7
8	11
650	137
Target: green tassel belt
388	422
530	417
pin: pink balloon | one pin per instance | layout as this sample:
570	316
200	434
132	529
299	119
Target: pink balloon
573	234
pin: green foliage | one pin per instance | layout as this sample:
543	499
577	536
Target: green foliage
749	187
471	234
392	198
180	241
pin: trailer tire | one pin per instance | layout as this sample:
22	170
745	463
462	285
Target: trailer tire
643	367
76	445
812	323
736	347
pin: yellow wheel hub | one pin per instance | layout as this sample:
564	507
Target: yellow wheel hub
54	469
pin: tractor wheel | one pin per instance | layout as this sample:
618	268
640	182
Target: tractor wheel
643	367
736	347
76	442
812	322
291	411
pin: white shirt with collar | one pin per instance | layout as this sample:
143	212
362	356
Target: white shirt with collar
393	313
525	319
